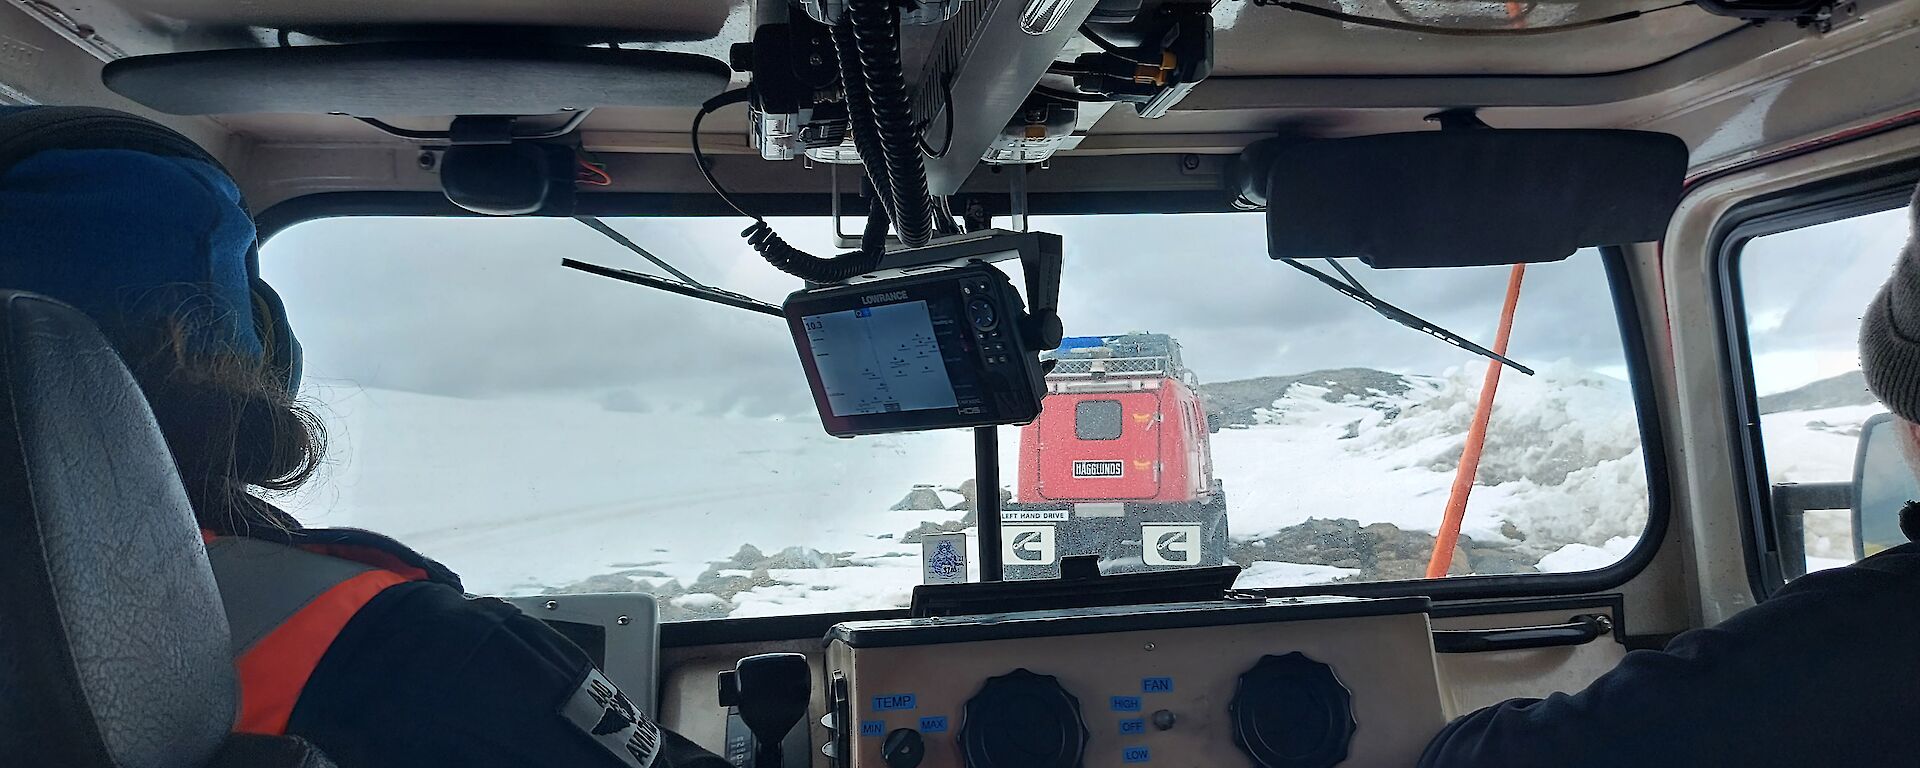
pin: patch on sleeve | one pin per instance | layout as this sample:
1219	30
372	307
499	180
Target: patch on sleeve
605	715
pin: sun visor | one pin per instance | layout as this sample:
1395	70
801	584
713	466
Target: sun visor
1470	197
415	79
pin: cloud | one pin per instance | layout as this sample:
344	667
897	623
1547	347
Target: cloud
1806	289
477	307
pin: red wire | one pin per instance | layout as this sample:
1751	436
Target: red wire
604	180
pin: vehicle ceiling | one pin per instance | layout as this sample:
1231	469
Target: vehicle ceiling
1730	89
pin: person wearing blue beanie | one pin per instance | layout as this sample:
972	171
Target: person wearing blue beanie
341	637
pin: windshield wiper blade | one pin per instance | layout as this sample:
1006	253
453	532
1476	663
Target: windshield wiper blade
701	292
1404	317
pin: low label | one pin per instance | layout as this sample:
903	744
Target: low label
1156	685
893	702
873	728
1133	726
933	724
1136	755
1125	703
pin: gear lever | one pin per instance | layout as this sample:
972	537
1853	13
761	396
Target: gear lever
771	691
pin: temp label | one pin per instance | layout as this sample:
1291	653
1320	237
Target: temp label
1133	727
1136	755
874	728
1156	685
933	724
893	702
1124	703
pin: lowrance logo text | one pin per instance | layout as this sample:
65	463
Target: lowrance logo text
882	298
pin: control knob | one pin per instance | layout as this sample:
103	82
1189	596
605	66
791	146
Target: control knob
1291	712
1023	720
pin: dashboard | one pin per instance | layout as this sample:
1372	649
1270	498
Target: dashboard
1280	683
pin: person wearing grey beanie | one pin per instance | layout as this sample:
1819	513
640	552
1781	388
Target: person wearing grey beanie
1890	354
1890	334
1822	673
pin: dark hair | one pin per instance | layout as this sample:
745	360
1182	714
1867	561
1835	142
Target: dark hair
231	424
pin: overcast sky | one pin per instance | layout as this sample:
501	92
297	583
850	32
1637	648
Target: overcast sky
1805	291
480	308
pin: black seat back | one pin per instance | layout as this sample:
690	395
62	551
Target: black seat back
113	644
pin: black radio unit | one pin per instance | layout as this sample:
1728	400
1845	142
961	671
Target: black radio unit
949	345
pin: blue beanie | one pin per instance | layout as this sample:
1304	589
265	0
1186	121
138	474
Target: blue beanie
136	241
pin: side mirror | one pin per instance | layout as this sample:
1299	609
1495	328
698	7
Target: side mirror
1883	483
1213	423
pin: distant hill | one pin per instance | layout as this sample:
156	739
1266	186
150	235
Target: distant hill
1849	388
1234	402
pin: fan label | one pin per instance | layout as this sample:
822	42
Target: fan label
1156	685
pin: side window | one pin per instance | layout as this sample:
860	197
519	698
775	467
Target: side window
1097	420
1804	291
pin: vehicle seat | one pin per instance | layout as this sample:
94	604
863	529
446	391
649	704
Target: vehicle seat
113	643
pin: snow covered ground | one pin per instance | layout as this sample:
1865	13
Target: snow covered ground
533	495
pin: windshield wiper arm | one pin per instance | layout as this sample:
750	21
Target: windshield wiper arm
1404	317
601	227
701	292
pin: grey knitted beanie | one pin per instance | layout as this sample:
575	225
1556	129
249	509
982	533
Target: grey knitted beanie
1890	332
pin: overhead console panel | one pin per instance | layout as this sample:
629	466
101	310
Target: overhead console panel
1288	683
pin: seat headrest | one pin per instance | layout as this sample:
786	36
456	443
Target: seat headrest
113	643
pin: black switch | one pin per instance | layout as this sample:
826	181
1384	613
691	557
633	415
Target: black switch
1163	720
903	748
771	692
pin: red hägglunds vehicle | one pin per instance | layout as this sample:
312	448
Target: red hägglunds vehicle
1118	464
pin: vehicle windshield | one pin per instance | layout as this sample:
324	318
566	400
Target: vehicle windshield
542	430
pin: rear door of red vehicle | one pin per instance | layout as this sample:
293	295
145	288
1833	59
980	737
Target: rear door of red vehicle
1108	452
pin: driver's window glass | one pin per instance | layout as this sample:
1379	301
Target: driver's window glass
1804	291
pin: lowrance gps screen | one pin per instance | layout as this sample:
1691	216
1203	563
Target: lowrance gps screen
881	359
929	351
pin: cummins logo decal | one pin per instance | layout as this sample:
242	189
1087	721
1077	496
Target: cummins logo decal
1164	544
1029	544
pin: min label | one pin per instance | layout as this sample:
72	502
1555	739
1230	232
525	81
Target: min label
873	728
1125	703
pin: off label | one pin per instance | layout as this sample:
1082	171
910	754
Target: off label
1156	685
893	702
933	724
1125	703
1133	727
1136	755
873	728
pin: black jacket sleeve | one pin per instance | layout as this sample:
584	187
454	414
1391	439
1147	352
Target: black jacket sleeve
1824	673
424	677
